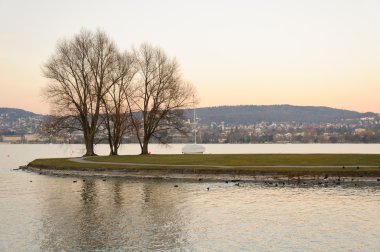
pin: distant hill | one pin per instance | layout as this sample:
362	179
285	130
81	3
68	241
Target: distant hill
18	121
14	113
245	114
249	114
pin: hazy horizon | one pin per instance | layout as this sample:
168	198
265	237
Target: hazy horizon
219	106
304	53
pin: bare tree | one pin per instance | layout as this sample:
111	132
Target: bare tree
82	71
161	95
115	109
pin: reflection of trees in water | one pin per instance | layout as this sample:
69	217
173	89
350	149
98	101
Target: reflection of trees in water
111	215
58	229
164	226
117	193
90	219
74	222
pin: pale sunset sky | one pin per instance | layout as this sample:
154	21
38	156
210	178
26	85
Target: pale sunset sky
236	52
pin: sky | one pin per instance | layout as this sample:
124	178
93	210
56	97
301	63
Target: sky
236	52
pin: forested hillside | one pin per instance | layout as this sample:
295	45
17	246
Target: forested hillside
249	114
14	114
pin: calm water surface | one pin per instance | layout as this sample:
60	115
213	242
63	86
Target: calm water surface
54	214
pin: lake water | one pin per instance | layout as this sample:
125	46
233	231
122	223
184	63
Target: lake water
49	213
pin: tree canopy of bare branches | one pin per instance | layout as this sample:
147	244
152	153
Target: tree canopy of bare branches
82	71
94	86
160	96
115	109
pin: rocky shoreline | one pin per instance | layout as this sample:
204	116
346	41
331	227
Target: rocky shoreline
270	179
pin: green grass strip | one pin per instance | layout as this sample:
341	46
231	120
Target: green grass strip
259	160
248	159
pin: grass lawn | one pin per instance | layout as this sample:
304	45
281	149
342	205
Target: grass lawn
260	160
248	159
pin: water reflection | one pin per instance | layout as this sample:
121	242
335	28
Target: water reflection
56	214
163	221
120	215
117	195
112	215
90	219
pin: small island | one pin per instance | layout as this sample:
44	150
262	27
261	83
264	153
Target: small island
109	93
314	168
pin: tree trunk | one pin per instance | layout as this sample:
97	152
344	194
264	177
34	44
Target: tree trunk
89	148
114	152
111	149
116	144
144	148
114	149
89	142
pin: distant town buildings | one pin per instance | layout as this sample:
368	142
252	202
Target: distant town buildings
361	130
